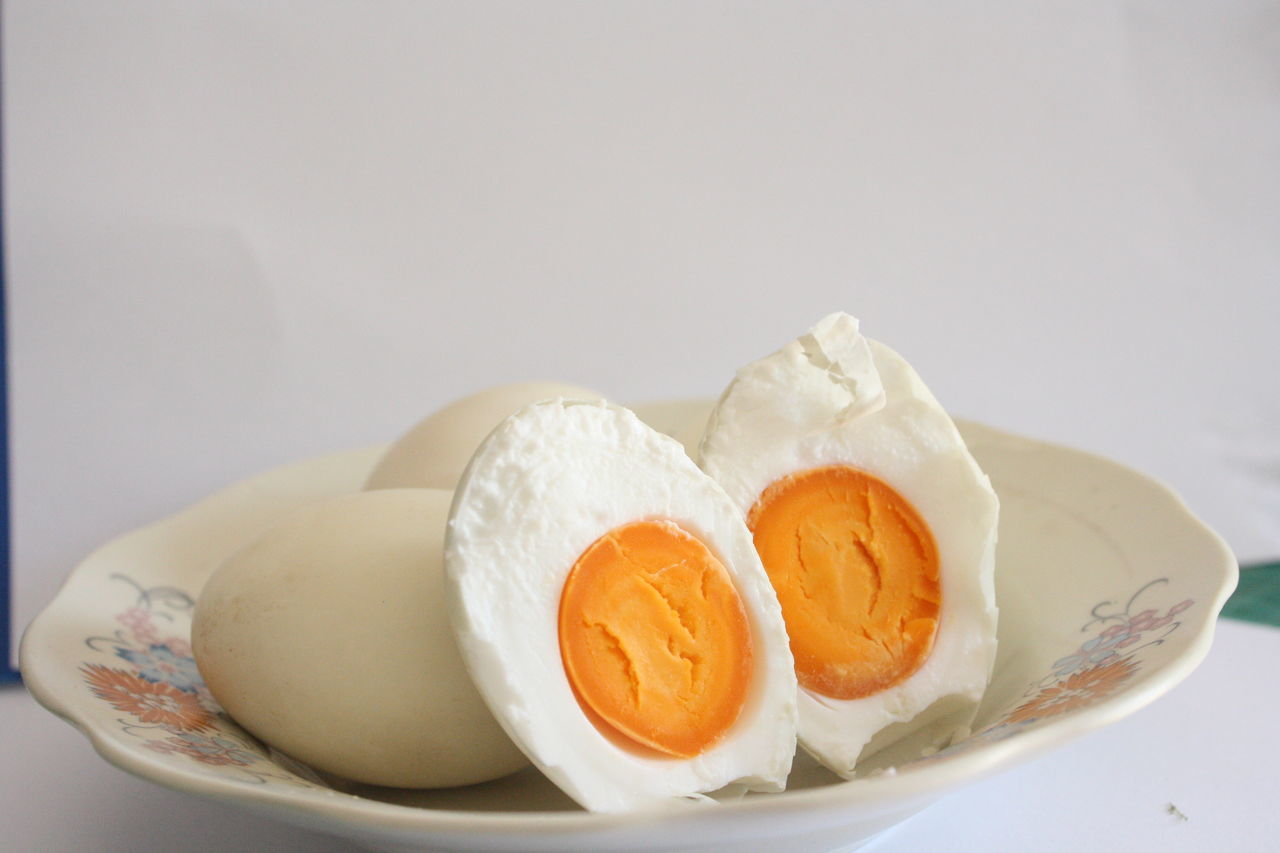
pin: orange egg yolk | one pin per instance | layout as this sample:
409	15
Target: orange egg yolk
856	571
655	639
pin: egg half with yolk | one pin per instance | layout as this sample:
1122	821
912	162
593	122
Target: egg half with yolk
613	613
877	529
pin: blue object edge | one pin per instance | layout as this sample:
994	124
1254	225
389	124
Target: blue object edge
8	672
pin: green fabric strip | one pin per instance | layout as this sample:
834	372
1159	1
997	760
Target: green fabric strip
1257	598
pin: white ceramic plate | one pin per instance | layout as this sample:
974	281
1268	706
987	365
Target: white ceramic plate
1108	589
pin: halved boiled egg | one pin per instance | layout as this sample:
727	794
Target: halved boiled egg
613	613
877	529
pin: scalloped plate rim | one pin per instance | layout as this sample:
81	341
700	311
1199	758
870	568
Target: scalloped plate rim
342	812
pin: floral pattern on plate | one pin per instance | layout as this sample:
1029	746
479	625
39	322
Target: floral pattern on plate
1097	668
146	671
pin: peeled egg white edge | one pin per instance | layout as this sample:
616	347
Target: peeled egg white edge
539	712
961	510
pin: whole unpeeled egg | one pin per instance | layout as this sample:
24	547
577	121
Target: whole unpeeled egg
434	452
328	637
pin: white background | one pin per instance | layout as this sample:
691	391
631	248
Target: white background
244	233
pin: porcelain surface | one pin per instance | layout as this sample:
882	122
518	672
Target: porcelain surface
1108	590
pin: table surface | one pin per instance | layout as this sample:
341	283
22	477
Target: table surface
1208	749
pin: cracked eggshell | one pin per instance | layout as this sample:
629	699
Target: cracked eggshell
833	397
543	487
328	638
435	451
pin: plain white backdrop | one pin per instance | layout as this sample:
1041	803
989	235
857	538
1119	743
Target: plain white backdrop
244	233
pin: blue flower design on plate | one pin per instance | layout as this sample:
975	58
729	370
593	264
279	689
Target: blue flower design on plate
207	749
159	663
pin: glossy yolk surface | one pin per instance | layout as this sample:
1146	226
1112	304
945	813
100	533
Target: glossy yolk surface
856	571
655	639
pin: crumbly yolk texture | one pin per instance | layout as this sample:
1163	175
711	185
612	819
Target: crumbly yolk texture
856	571
655	639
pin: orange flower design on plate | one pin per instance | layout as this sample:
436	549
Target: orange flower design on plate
1078	690
150	702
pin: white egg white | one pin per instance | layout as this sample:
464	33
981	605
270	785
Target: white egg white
543	487
833	397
